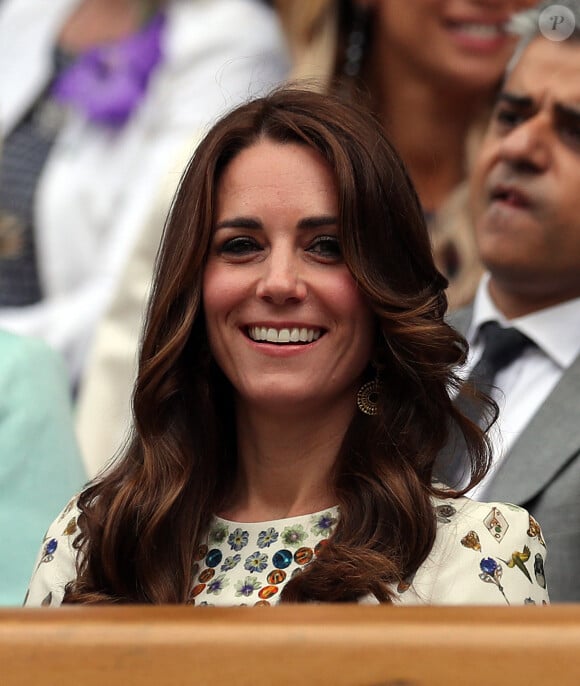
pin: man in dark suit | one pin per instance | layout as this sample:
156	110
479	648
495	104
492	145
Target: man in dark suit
525	191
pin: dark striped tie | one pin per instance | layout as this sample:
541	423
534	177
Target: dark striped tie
501	346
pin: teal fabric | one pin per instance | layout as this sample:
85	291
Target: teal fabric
40	463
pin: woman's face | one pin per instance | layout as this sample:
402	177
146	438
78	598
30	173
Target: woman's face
285	320
460	42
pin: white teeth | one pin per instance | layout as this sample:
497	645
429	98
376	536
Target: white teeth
295	335
481	30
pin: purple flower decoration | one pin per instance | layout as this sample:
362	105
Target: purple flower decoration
247	586
323	524
106	83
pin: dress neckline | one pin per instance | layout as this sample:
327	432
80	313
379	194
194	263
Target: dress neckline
283	520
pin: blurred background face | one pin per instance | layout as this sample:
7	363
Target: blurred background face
525	186
461	42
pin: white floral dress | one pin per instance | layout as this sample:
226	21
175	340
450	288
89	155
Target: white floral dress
484	554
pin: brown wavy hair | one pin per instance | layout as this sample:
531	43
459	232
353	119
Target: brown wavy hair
142	520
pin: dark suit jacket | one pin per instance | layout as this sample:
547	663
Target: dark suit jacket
541	472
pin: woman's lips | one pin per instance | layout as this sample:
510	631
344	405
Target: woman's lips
480	37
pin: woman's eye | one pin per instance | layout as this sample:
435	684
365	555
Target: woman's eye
241	245
326	246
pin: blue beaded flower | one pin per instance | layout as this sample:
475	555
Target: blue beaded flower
238	539
256	562
266	538
230	562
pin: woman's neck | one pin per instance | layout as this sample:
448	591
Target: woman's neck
285	463
428	124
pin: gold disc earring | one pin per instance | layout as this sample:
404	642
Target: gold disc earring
367	399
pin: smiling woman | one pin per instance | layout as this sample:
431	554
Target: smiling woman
293	394
285	319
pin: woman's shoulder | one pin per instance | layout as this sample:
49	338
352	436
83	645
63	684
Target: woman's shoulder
495	517
484	553
55	565
494	527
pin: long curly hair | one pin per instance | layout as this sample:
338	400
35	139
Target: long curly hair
142	520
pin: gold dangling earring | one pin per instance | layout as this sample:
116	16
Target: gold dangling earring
367	399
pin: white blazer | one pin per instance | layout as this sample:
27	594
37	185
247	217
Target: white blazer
98	187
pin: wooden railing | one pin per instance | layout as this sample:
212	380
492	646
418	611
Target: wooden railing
314	645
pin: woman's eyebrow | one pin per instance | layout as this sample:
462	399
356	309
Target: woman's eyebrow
254	224
316	222
239	223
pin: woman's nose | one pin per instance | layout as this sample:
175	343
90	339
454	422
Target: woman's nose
282	280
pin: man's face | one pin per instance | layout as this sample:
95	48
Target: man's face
525	187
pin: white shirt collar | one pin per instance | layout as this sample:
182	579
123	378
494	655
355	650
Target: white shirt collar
556	329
